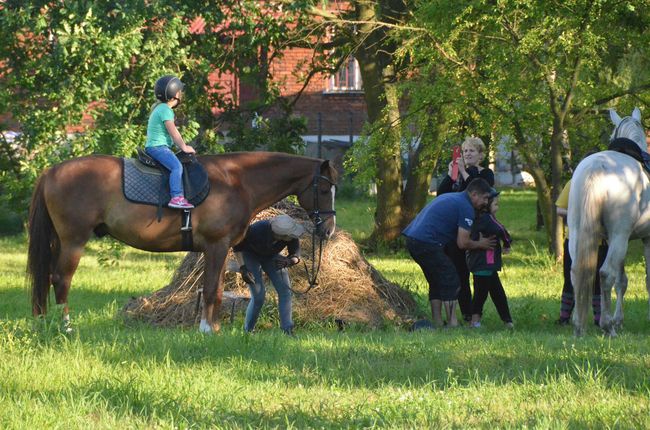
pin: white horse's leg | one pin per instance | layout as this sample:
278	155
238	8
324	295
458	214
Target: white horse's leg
611	274
646	253
621	288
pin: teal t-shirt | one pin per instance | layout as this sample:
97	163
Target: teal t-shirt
157	134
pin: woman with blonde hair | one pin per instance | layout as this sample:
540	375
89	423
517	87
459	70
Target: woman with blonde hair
469	168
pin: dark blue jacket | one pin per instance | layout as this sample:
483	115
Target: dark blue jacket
259	240
487	259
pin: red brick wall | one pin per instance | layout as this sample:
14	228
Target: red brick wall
335	108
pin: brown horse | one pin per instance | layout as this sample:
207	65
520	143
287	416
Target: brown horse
79	197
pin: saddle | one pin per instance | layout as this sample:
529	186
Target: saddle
147	182
628	147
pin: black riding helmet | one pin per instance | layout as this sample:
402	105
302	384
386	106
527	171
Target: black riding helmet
167	87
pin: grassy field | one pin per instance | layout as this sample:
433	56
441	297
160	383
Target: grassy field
111	375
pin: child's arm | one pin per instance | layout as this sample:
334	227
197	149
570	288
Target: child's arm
507	241
501	233
177	138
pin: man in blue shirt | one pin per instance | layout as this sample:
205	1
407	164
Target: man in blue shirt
448	217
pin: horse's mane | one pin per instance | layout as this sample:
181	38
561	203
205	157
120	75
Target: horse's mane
256	156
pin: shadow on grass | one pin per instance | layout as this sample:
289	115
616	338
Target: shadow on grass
124	399
536	351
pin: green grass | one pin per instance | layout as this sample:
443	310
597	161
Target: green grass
111	375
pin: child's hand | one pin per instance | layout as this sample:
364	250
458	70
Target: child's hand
188	150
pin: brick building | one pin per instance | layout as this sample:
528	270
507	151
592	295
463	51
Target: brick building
333	106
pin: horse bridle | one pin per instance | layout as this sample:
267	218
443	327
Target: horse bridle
316	218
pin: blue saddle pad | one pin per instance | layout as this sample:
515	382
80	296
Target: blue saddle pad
142	184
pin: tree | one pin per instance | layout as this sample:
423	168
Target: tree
61	62
366	30
538	71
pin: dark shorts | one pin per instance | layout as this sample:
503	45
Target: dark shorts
438	269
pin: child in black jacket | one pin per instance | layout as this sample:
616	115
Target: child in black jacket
485	264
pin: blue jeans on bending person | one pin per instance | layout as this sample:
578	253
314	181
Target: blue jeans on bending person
167	158
280	280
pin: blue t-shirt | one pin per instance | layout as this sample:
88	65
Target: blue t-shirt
157	134
439	221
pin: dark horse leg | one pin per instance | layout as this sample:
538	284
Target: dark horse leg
215	256
55	247
65	267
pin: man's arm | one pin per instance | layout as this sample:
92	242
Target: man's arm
464	241
246	274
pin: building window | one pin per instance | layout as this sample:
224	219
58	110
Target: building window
347	79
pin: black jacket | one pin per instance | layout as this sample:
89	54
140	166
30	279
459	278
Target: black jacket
259	240
449	186
490	259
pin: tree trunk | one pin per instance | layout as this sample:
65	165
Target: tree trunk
421	165
533	166
388	160
557	142
381	96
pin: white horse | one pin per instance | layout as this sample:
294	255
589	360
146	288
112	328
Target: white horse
609	199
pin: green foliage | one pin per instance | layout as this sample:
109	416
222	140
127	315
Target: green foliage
109	252
101	58
360	159
280	133
98	58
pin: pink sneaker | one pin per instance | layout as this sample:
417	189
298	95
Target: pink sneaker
179	202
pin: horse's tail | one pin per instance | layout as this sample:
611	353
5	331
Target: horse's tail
43	246
585	234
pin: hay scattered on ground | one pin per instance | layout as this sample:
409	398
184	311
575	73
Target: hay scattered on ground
349	287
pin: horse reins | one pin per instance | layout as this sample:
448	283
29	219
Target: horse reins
317	220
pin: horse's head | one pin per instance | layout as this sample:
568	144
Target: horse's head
629	127
318	199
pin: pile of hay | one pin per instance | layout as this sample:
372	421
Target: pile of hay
349	289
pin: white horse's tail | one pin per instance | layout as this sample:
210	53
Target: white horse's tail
585	233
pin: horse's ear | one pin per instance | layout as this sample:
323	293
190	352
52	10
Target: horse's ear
636	114
615	118
325	166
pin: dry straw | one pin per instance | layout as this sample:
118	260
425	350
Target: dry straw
350	288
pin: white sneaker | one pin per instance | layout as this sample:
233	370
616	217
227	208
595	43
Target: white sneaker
476	324
509	325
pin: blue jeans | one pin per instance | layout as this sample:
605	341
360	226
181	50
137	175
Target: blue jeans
167	158
280	279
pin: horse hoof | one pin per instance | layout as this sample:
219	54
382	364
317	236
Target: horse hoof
205	327
609	330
